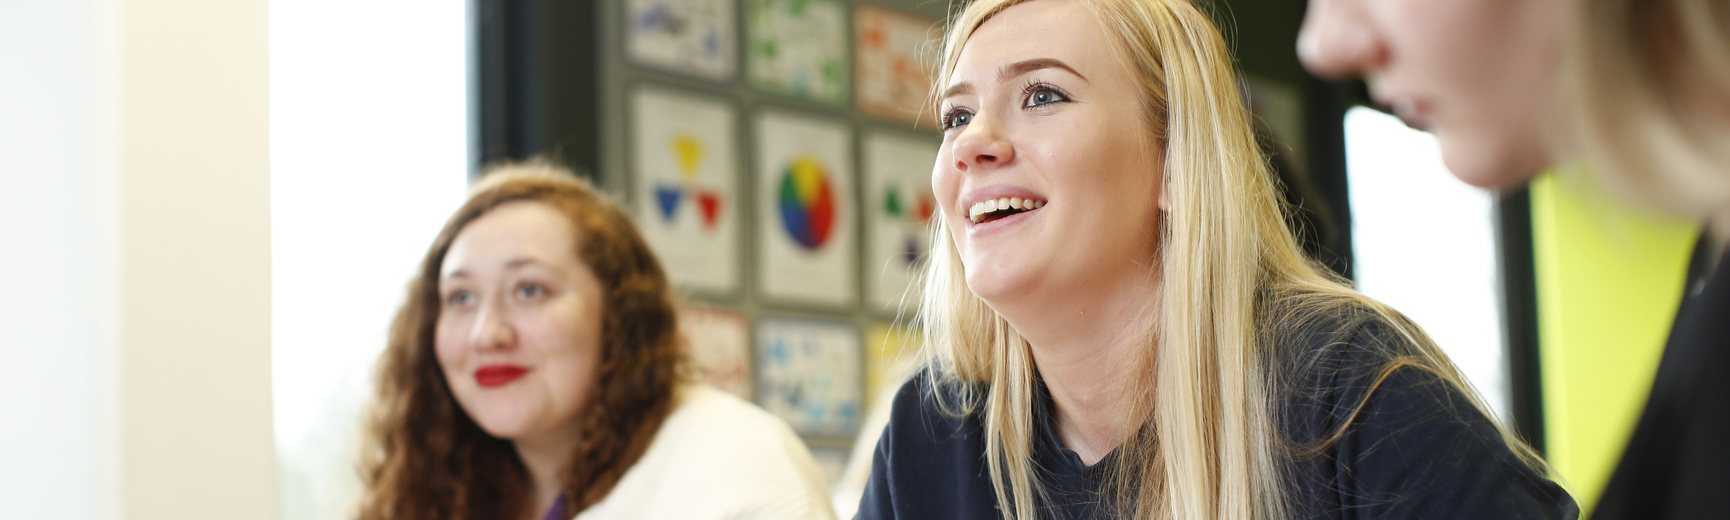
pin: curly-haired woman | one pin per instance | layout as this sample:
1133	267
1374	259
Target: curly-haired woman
534	372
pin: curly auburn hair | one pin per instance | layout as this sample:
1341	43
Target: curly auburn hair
425	458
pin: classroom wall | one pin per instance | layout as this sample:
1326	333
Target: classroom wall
135	378
195	406
48	404
1609	279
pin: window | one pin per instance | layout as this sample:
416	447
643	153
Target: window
1425	243
369	154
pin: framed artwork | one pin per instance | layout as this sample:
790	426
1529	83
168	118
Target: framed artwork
686	186
898	208
692	37
798	48
889	356
719	343
894	57
806	247
808	374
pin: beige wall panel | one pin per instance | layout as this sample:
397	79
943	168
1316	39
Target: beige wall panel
195	375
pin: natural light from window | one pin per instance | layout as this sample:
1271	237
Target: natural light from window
368	155
1425	243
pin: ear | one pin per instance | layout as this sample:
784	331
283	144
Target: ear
1163	186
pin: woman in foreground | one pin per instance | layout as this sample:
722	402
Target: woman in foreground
1634	92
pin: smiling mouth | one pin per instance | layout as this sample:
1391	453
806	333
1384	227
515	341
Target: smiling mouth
989	210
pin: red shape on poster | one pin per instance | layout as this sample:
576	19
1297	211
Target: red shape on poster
711	204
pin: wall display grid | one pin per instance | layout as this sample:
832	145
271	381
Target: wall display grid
624	76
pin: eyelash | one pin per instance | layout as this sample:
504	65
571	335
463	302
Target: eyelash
947	122
1035	86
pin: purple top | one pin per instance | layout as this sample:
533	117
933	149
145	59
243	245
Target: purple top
557	512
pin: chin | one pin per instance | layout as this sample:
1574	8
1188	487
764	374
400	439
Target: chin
502	428
1493	165
996	284
502	423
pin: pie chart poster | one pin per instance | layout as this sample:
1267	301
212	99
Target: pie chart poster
805	215
686	195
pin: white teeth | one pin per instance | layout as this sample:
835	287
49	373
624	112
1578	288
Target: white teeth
982	208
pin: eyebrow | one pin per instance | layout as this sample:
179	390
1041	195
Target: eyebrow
1012	70
514	263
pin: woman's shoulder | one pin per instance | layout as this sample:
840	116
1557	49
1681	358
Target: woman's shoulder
1341	340
719	456
934	420
708	418
1329	362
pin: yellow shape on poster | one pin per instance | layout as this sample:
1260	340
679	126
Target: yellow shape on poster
890	353
689	150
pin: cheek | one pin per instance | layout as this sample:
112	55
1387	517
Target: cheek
570	340
448	344
946	186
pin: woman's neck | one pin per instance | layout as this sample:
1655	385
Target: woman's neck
1088	350
544	456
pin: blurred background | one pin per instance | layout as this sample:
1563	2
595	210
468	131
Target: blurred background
209	211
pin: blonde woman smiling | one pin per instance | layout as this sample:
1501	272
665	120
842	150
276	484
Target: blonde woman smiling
1121	325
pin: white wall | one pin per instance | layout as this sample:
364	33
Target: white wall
195	270
48	409
369	155
134	369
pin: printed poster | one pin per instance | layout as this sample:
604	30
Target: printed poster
686	186
719	344
798	48
895	56
805	216
692	37
890	354
808	374
899	206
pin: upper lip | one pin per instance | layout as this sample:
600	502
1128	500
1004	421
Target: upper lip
994	192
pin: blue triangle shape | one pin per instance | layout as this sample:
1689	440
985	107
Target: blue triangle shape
668	197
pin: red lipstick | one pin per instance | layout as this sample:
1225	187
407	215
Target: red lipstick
492	376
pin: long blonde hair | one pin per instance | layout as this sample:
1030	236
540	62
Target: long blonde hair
1633	76
1234	278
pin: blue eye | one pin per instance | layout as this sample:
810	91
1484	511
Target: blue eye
957	117
459	298
530	291
1039	94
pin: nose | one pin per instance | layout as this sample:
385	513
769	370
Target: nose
980	145
1338	39
491	331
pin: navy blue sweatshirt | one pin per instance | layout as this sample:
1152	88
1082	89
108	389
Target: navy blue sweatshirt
1418	449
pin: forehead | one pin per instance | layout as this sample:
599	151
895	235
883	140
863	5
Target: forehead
1063	29
514	230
